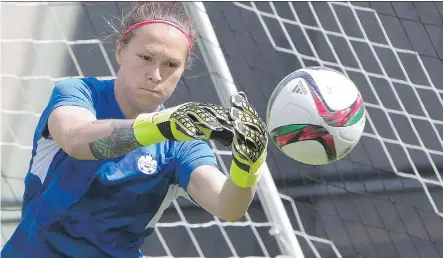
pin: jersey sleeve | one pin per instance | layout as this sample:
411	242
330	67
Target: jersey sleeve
68	92
189	156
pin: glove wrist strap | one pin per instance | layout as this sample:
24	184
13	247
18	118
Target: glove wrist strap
243	178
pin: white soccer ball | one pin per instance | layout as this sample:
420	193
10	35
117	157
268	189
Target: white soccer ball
316	115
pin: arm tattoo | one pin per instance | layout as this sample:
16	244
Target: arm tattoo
120	142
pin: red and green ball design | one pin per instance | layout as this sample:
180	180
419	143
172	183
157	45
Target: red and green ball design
288	134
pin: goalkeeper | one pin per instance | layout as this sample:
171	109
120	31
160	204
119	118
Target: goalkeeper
108	159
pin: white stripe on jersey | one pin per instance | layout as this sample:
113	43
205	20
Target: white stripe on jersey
46	150
171	195
174	191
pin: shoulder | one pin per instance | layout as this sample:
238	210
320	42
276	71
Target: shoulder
90	84
88	89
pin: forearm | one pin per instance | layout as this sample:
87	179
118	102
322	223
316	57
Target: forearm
234	200
102	139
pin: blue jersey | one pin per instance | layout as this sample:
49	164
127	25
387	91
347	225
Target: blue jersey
98	208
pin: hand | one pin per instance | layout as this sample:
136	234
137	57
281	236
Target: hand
184	122
250	142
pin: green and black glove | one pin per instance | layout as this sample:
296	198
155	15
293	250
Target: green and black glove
184	122
240	126
249	148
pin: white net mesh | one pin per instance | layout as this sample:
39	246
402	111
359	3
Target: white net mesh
398	91
45	51
436	178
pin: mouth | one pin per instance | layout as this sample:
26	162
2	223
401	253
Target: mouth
150	91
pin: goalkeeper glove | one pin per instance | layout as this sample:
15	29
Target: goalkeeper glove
184	122
249	147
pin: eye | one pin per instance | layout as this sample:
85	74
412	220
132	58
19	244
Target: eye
172	65
146	58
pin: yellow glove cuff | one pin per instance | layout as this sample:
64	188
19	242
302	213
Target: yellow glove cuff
147	133
243	178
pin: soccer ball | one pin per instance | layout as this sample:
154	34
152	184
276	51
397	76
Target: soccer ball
316	115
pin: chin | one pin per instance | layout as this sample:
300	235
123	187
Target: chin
147	104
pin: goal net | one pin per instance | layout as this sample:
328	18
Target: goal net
384	200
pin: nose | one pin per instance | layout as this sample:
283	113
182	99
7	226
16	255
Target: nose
154	74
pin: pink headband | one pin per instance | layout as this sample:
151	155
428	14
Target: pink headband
139	24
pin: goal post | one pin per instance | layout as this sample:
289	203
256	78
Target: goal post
225	87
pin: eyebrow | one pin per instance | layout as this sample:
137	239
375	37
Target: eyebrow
153	53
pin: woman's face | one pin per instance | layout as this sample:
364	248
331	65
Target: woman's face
151	65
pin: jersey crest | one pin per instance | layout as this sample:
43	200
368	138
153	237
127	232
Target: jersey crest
147	164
